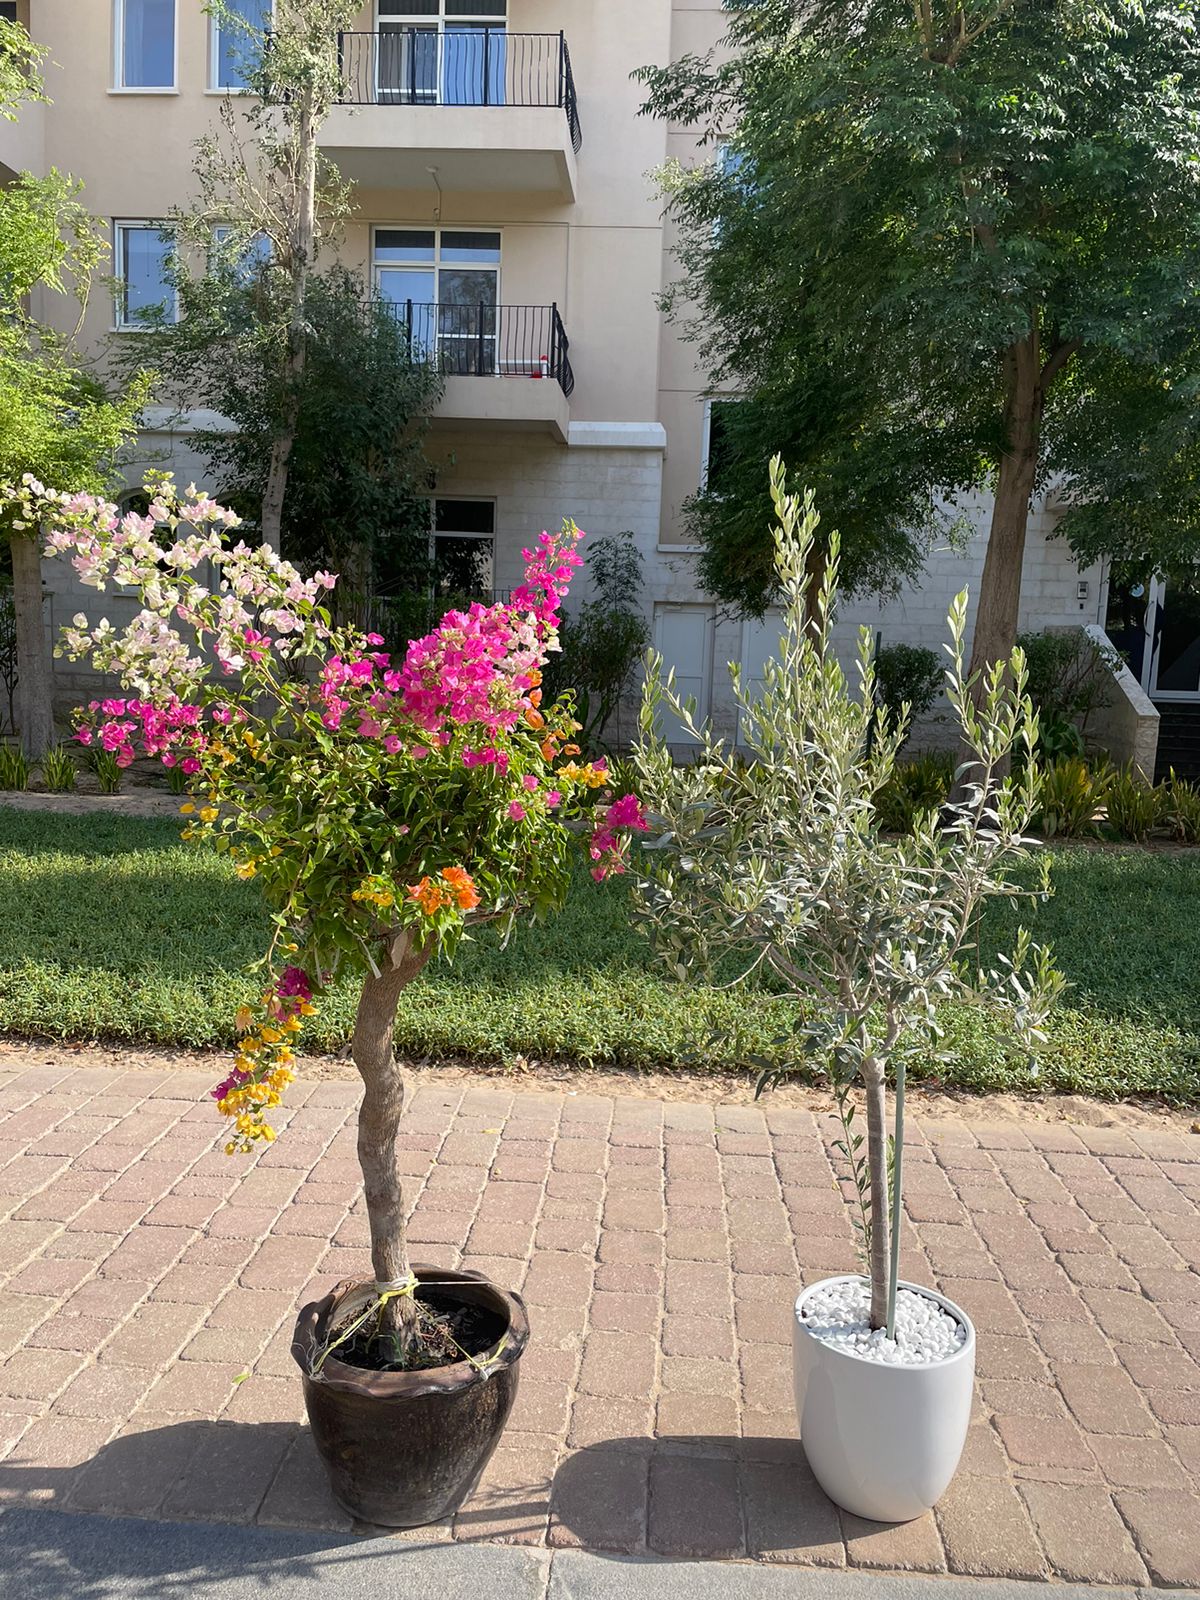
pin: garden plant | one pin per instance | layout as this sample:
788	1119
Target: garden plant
385	808
780	862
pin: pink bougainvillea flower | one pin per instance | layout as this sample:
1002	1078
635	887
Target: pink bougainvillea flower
517	811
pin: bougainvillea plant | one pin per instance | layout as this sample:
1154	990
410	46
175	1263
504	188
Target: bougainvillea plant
384	807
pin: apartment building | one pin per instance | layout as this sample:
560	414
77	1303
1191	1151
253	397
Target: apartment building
504	201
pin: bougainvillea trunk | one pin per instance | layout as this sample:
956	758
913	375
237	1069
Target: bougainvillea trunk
877	1163
34	708
379	1119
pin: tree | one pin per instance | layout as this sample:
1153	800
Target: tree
356	498
779	863
950	247
384	808
56	420
262	178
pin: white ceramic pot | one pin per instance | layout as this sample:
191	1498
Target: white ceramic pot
883	1440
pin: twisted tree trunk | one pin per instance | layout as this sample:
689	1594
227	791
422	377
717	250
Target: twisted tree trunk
384	1095
877	1164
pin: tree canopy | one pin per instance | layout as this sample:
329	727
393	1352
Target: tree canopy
946	247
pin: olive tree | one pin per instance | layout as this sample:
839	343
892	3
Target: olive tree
779	863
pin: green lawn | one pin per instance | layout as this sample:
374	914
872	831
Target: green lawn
111	928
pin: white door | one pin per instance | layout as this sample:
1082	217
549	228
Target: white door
760	641
683	636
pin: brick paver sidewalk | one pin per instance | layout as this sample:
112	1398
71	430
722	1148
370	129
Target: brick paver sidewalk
659	1247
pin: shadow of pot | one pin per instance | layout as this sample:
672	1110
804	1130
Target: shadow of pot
406	1448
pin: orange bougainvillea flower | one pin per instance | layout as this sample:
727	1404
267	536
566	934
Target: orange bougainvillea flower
464	889
428	895
535	719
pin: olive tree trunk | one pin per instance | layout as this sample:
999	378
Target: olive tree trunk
384	1094
877	1166
34	700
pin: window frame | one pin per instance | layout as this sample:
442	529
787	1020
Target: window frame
451	533
214	56
119	86
434	266
706	434
120	226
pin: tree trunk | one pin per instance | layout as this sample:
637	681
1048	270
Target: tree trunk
302	251
34	700
379	1118
880	1258
1000	585
999	604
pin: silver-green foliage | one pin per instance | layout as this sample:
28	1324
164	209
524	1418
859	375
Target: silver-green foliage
779	862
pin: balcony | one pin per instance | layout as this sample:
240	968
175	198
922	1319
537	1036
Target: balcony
504	366
490	110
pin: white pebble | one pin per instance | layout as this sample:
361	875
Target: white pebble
839	1315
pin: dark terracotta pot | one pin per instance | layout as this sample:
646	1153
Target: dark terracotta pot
406	1448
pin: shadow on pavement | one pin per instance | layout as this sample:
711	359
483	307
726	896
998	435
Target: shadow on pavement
695	1496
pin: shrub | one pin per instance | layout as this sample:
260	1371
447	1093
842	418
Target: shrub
14	767
1135	806
1069	679
1181	808
58	770
107	769
1072	795
384	808
780	866
908	674
918	786
177	780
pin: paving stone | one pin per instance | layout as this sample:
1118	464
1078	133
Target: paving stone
986	1530
1139	1463
104	1392
47	1459
619	1424
681	1484
914	1546
1164	1526
703	1420
788	1517
1033	1441
1085	1539
599	1500
618	1364
1105	1400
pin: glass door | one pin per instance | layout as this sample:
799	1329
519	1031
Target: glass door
1155	626
441	52
445	284
1175	642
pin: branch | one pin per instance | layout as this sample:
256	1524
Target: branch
1057	360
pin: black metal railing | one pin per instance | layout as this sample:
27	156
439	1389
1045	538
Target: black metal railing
474	67
487	341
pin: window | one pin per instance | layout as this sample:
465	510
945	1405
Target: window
237	41
250	260
445	284
8	10
716	452
447	52
145	44
144	291
464	548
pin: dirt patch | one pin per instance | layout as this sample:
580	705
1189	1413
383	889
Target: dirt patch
708	1087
